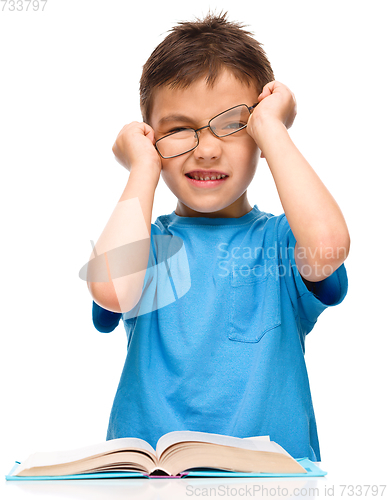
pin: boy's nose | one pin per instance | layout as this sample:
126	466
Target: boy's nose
209	147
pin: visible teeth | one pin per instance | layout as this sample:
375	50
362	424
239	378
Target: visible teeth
213	177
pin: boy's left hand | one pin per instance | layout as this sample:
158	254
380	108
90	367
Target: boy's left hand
276	104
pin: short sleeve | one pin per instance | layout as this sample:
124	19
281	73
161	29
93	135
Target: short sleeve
308	305
103	320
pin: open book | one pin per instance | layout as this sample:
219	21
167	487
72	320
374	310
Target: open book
176	452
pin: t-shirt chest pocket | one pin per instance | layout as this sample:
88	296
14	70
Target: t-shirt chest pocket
254	303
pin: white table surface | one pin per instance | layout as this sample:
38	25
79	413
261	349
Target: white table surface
348	482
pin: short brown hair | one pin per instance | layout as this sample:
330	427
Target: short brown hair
203	47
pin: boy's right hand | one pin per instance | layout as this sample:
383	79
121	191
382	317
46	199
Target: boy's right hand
134	148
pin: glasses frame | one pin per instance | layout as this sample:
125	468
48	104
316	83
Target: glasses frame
250	108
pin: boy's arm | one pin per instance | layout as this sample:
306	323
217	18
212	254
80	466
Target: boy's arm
130	223
315	218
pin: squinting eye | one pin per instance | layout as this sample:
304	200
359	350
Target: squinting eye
176	130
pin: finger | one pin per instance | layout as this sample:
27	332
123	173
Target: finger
267	90
149	132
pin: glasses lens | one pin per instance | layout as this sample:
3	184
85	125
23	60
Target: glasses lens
230	121
177	143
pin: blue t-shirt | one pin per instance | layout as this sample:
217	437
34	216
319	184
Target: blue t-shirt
216	343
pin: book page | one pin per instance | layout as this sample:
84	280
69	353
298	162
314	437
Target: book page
245	443
259	438
41	459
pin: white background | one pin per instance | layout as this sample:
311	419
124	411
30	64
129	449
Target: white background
69	83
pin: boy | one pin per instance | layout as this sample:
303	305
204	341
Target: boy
216	325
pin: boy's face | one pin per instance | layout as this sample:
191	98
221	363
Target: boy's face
235	155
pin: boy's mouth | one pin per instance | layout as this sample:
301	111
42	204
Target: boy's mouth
203	180
206	176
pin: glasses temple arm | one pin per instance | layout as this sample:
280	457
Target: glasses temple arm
252	107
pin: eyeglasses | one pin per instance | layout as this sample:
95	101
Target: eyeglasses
184	140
